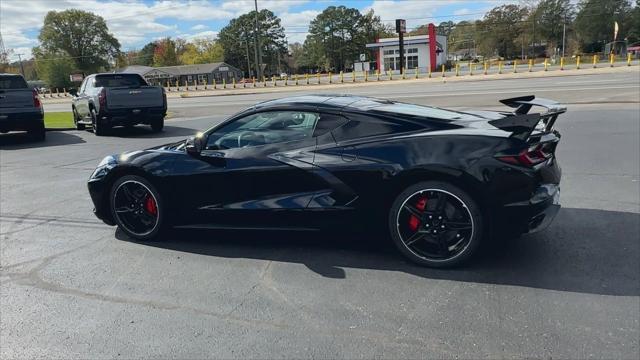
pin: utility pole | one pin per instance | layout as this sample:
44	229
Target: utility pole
564	31
21	67
258	54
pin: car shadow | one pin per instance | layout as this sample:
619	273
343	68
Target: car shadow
17	141
584	250
144	131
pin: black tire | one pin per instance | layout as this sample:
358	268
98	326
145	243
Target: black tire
100	128
76	120
38	134
438	235
157	124
117	195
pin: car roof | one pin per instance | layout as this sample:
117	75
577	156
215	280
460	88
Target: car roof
325	101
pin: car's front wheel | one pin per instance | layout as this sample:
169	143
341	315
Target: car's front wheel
137	207
436	224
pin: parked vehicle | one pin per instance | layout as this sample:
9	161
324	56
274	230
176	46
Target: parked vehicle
20	107
107	100
441	180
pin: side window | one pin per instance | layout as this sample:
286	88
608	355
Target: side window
263	128
328	122
360	126
84	85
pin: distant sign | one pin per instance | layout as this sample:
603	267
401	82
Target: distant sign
401	26
76	77
363	57
223	68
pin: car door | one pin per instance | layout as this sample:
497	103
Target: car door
82	100
256	171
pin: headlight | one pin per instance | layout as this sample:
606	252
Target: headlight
103	167
108	160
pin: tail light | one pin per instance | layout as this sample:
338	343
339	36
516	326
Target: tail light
102	98
529	157
36	99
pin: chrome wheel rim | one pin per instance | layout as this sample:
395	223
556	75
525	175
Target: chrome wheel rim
435	225
136	207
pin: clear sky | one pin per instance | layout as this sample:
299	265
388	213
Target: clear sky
136	22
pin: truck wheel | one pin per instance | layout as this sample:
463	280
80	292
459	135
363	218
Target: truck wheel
38	134
157	124
76	120
99	128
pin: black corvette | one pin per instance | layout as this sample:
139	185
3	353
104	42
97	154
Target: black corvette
438	181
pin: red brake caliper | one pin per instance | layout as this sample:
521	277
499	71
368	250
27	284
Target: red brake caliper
414	222
150	206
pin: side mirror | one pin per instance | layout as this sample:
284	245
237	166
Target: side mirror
73	92
194	144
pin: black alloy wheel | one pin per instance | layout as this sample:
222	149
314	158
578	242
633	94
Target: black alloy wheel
435	224
99	127
136	207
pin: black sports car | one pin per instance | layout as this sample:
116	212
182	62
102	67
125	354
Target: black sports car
439	181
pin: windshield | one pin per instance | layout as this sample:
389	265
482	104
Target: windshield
117	80
12	82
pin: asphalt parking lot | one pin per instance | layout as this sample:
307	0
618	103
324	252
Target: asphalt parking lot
71	286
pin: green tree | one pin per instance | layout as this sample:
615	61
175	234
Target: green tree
202	51
550	17
82	36
338	35
238	39
54	68
499	29
633	36
595	22
144	56
165	53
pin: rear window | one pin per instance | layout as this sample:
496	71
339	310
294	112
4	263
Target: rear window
424	111
117	80
12	82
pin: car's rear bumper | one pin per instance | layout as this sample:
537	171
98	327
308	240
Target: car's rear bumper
533	215
21	121
133	115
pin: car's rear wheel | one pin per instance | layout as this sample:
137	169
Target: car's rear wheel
157	124
100	128
76	120
137	207
436	224
38	134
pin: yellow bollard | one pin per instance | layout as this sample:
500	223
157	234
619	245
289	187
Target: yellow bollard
195	84
214	84
562	63
442	70
417	72
470	68
402	71
611	59
457	69
366	76
530	65
515	66
64	91
318	76
286	80
253	80
264	81
578	62
354	74
234	82
341	77
390	75
307	77
224	83
499	67
629	59
296	79
377	75
546	64
273	80
486	68
429	72
595	61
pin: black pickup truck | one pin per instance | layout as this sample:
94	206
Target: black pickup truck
112	99
20	107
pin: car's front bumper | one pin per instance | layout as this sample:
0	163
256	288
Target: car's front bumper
535	214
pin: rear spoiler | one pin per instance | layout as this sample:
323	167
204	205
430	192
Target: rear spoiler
521	124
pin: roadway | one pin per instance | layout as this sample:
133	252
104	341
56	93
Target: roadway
74	287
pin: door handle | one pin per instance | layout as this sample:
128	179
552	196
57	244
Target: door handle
348	153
